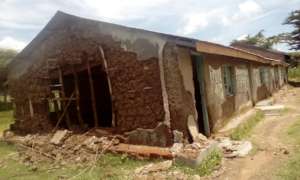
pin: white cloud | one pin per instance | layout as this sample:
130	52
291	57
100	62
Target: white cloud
11	43
120	9
242	37
195	22
247	10
249	7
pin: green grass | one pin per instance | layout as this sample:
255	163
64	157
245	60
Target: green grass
6	118
294	74
244	129
205	168
291	169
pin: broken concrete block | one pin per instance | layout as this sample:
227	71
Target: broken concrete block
194	157
59	137
162	166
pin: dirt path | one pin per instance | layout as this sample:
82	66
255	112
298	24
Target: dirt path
268	139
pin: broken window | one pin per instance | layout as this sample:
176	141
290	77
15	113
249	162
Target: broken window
228	80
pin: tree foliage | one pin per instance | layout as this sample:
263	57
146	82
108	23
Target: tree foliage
6	55
293	38
260	40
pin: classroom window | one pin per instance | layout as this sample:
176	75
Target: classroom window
228	80
263	75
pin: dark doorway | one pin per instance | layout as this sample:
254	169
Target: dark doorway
198	77
103	96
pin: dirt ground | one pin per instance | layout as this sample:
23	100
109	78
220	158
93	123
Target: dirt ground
271	148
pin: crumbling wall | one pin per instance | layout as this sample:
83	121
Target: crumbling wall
132	66
180	95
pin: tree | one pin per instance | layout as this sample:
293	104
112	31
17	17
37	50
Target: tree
260	40
6	56
293	38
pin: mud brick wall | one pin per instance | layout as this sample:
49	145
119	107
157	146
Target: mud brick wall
135	78
221	107
181	101
136	90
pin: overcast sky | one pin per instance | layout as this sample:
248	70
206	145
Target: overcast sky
218	21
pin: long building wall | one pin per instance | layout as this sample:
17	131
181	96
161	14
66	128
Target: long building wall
220	106
249	87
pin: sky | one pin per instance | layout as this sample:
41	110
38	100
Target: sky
219	21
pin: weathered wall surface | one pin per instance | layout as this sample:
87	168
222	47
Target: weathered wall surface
220	107
180	93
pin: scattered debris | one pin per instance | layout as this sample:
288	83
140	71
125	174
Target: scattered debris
159	170
161	166
164	175
234	148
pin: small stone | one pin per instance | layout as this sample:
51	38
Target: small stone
34	168
195	177
176	148
178	136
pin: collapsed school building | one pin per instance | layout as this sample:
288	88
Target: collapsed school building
81	74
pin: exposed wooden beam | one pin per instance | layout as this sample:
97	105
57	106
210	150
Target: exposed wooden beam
61	81
93	96
212	48
104	62
77	93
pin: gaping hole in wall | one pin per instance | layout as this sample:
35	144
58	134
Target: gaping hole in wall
88	107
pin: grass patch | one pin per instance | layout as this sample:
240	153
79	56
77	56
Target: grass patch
290	170
244	129
294	74
205	168
6	118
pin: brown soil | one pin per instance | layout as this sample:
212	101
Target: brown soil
268	139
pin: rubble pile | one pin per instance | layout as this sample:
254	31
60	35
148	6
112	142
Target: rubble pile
62	146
